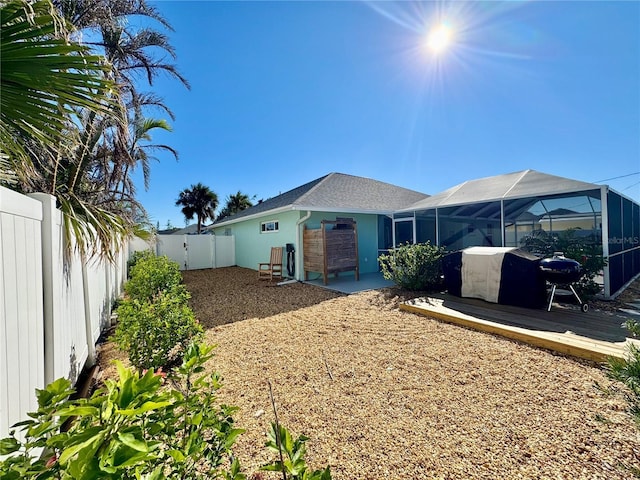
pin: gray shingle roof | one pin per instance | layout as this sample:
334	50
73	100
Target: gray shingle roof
526	183
338	192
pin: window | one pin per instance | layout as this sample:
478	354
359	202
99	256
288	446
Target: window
269	227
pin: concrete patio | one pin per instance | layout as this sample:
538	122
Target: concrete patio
346	283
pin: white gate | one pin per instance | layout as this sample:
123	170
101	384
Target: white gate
174	247
200	252
194	252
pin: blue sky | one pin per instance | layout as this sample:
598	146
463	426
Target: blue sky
285	92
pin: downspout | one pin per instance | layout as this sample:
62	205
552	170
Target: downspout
299	266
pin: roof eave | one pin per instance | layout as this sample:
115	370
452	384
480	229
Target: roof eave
253	216
342	210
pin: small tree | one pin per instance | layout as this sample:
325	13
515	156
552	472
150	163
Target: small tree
198	201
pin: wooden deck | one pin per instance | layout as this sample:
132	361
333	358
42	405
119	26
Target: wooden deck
594	335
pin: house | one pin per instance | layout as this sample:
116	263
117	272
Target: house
498	211
503	210
280	220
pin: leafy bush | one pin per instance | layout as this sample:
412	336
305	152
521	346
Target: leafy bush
414	267
135	258
136	427
151	275
586	250
156	332
132	428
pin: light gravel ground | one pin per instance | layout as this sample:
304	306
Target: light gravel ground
386	394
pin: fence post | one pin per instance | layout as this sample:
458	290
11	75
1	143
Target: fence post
214	254
52	290
91	347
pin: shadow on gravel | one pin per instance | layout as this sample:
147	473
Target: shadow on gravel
230	294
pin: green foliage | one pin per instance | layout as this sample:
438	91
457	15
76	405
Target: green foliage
155	323
44	78
292	452
586	250
414	267
132	428
135	258
156	332
151	275
199	201
632	326
627	371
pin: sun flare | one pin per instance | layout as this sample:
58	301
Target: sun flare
439	39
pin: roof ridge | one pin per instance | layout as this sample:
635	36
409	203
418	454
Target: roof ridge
456	188
308	192
523	174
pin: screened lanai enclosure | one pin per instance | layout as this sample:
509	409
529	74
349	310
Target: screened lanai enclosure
506	210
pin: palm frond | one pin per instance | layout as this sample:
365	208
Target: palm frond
43	78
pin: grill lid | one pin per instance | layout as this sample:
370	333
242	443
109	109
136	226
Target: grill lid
560	270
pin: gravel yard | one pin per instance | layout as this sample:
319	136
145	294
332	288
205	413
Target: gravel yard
385	394
388	394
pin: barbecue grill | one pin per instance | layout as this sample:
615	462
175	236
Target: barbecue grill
560	271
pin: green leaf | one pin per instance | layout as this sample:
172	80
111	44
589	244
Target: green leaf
56	391
9	445
78	411
86	441
196	419
272	467
133	442
232	436
145	407
177	455
157	474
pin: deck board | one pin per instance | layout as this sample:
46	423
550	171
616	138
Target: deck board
594	335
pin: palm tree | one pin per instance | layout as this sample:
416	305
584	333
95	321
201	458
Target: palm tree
238	202
235	203
200	201
71	117
43	77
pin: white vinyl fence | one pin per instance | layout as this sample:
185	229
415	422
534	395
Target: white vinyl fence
52	308
194	252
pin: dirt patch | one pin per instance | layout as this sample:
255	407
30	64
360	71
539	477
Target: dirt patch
388	394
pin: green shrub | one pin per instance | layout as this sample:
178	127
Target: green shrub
414	267
156	332
136	257
131	428
137	427
586	250
151	275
